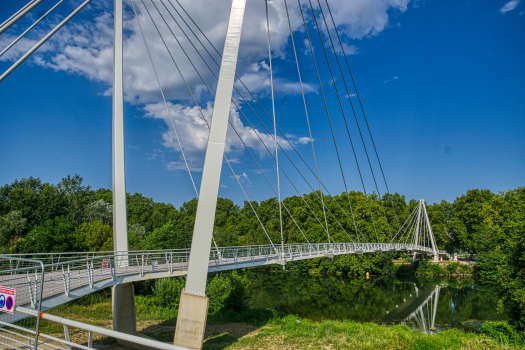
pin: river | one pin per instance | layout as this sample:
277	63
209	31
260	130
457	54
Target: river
430	305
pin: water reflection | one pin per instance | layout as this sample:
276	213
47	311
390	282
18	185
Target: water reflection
428	305
420	309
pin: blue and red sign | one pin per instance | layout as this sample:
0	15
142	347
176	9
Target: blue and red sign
7	299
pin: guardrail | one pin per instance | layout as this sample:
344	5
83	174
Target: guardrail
23	335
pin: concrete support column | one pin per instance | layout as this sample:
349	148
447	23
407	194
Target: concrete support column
123	305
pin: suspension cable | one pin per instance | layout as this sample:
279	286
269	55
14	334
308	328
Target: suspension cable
233	101
362	109
274	126
353	110
326	105
165	102
31	27
337	93
308	119
227	161
248	104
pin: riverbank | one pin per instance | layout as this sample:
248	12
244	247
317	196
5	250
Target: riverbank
256	329
297	311
291	332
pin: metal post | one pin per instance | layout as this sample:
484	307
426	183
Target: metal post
193	307
120	227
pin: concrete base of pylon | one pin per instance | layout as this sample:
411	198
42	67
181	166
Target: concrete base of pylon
435	259
191	321
124	319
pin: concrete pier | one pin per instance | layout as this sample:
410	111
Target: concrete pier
123	305
191	321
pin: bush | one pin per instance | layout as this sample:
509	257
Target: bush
502	332
453	267
228	292
167	291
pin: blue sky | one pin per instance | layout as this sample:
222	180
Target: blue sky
442	84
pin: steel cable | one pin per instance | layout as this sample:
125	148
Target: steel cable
351	103
248	104
363	110
274	126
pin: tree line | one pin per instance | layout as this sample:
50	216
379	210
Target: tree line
71	216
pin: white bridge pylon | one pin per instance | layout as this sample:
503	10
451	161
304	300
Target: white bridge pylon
417	231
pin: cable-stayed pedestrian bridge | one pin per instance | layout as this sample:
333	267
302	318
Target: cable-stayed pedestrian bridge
68	276
45	281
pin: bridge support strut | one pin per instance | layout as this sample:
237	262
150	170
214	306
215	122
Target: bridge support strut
123	305
193	307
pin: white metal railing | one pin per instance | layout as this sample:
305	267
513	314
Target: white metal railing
28	286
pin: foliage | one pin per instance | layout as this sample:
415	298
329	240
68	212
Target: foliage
426	267
226	291
42	217
167	291
53	236
12	226
503	332
96	236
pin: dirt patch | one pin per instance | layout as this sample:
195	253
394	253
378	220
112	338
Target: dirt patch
234	329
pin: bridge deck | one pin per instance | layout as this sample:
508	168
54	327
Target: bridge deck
69	276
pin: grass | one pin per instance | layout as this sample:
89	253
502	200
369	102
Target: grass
291	332
257	329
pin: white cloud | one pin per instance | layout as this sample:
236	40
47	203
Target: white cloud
243	178
509	6
85	47
193	134
389	80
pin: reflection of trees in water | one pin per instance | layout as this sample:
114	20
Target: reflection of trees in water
339	297
329	297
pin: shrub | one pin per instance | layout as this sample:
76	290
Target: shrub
453	267
167	291
228	292
502	332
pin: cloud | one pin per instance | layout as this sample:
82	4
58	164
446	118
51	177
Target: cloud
85	47
389	80
509	6
193	134
243	178
257	79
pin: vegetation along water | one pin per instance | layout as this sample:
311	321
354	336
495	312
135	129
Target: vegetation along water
319	303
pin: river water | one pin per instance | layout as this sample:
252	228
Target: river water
430	305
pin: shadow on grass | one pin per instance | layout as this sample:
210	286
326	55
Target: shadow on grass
222	328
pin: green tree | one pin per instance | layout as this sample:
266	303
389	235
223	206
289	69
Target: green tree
52	237
12	226
95	235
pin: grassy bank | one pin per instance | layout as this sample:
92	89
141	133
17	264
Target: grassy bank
256	329
291	332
